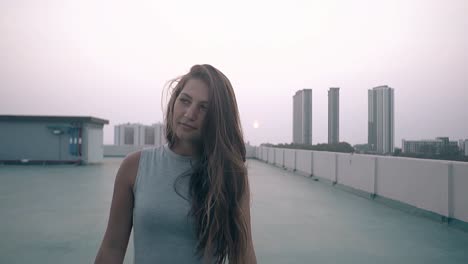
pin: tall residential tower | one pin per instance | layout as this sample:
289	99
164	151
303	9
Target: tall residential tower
334	115
381	129
302	117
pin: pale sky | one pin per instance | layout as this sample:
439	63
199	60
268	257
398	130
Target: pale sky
111	60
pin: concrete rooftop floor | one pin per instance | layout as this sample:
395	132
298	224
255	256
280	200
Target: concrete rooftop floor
58	214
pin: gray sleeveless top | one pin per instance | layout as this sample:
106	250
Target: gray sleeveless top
162	232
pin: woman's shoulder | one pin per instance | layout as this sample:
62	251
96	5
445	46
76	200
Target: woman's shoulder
129	167
131	163
132	160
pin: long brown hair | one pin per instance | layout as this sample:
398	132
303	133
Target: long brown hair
218	180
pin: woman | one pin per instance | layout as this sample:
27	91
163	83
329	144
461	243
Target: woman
189	200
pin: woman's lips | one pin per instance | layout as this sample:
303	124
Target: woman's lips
187	126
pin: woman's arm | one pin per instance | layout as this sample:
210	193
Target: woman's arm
115	241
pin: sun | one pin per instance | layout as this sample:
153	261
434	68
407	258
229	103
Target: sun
256	124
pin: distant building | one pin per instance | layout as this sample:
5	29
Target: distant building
461	144
334	115
464	147
51	139
302	117
432	146
381	129
139	135
361	148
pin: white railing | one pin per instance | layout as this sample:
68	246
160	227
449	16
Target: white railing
433	185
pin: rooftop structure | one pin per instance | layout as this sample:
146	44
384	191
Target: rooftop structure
51	139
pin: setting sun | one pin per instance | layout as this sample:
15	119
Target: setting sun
256	124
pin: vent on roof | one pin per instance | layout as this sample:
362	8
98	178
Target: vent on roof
58	130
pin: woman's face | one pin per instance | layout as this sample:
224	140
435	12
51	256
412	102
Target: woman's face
190	110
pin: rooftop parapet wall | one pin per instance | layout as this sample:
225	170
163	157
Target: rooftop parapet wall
432	185
304	161
357	171
458	195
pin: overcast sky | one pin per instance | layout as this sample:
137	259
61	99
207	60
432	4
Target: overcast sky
111	60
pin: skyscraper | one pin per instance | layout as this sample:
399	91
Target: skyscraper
302	117
381	130
334	115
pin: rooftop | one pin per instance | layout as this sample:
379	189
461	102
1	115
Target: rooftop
58	214
42	118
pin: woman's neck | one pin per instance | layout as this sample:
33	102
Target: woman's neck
183	148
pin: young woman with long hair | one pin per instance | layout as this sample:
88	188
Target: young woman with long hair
187	201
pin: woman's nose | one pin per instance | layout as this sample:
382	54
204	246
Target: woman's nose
190	112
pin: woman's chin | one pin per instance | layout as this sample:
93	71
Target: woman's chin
185	136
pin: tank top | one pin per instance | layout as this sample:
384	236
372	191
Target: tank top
162	231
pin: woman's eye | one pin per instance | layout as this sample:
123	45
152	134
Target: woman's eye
184	101
204	107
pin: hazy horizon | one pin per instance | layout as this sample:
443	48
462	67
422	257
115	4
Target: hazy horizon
111	60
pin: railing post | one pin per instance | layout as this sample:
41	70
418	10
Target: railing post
274	157
295	160
449	192
284	154
336	169
376	163
311	163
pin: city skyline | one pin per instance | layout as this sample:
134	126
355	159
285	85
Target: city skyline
112	59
